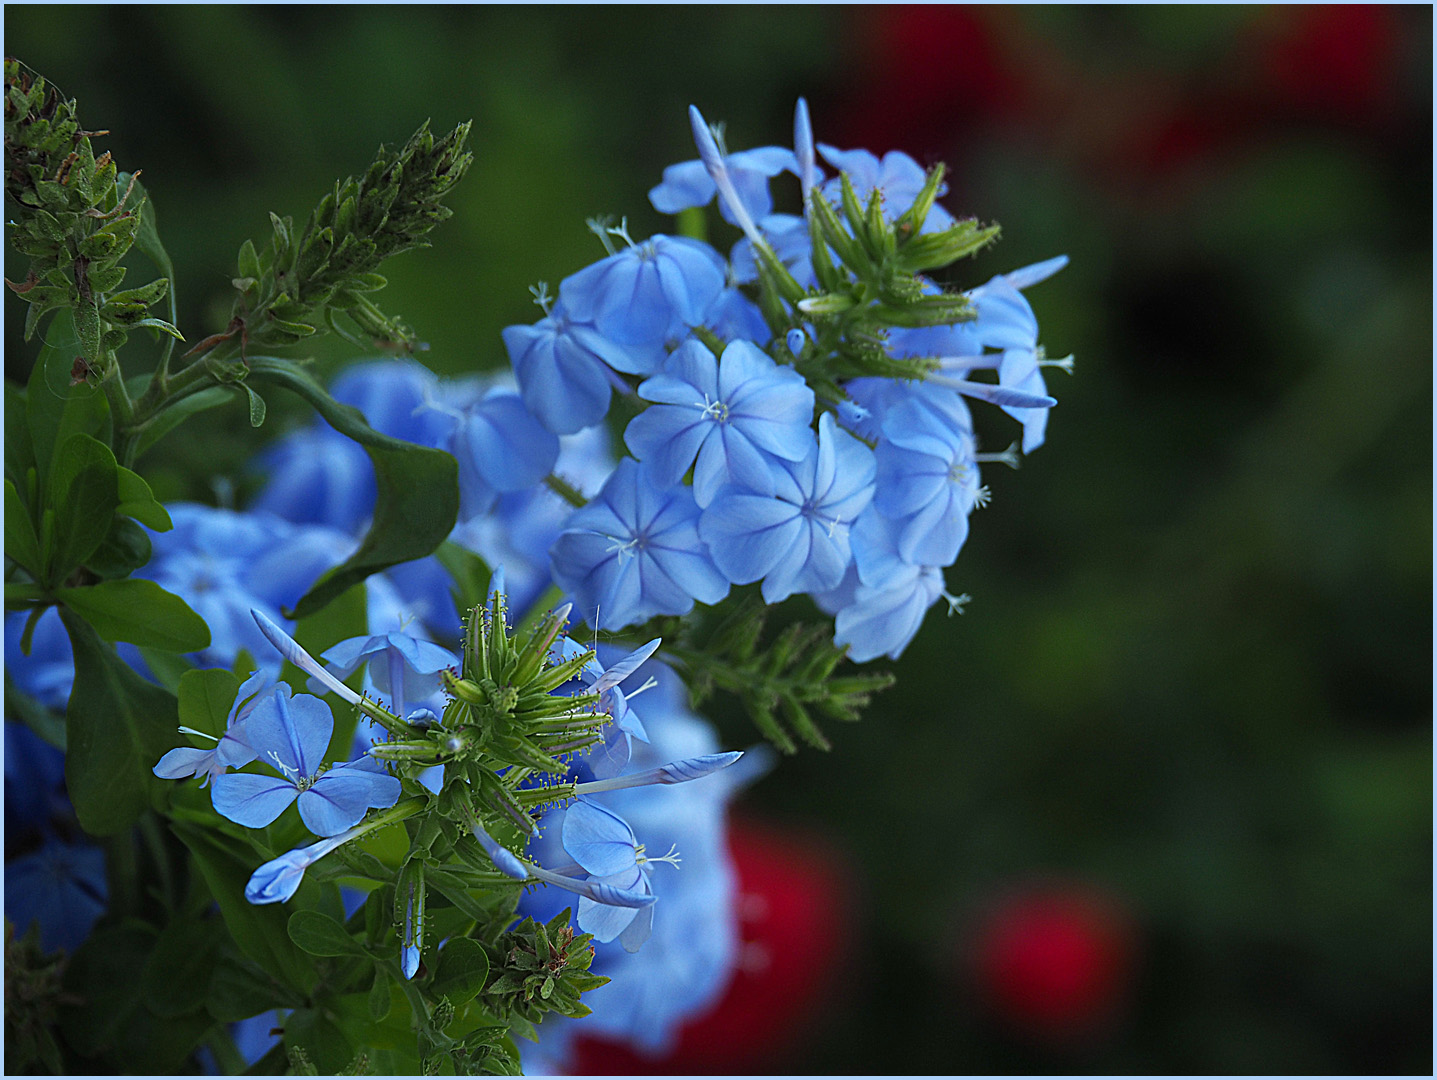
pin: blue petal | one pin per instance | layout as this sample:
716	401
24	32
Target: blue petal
339	798
250	799
599	840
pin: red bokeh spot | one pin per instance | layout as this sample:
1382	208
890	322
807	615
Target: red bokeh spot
794	928
1054	961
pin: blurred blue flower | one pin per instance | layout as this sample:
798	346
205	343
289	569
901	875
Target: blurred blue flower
634	552
291	736
500	448
727	413
34	781
62	886
635	296
796	539
49	671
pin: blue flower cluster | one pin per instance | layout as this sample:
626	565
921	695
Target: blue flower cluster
632	828
741	473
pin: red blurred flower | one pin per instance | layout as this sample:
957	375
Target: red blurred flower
794	926
1054	960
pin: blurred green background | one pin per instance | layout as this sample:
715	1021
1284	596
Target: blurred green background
1195	679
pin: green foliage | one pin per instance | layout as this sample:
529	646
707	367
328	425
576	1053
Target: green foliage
781	683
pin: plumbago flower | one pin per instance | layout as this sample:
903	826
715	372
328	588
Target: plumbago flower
634	552
232	750
291	735
404	667
727	412
795	539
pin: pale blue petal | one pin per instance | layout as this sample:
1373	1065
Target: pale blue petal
598	839
250	799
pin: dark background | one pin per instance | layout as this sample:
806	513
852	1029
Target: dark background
1194	688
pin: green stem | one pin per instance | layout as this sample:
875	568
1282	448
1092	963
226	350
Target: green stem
122	408
565	490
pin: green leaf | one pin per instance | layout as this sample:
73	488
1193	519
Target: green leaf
19	454
178	413
117	726
125	549
319	935
139	502
379	999
324	1044
238	991
83	492
258	929
140	612
100	978
21	543
463	967
470	573
206	695
44	723
256	405
183	959
167	667
55	410
418	489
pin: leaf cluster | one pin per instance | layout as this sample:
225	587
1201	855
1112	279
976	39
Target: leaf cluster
76	217
783	683
303	279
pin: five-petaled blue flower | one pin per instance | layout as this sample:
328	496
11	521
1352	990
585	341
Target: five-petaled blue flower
604	845
291	735
232	750
727	412
634	552
404	667
795	539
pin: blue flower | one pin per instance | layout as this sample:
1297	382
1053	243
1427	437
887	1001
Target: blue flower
317	476
634	552
734	317
394	396
603	844
280	878
689	183
728	413
501	448
291	735
609	758
927	483
61	886
796	539
231	750
885	599
637	295
898	177
404	667
563	370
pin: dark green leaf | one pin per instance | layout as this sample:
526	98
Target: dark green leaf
56	410
101	981
463	967
21	543
379	1000
83	492
319	935
19	454
125	549
179	412
182	960
418	489
140	612
117	726
323	1043
258	929
166	667
139	502
206	695
238	991
470	573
